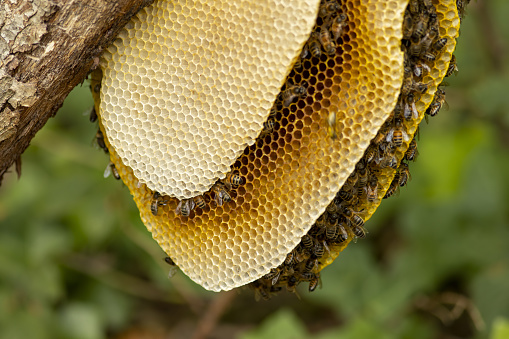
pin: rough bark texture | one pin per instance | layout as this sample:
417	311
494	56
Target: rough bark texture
47	47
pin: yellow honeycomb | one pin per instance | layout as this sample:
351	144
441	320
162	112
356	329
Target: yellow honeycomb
188	85
292	174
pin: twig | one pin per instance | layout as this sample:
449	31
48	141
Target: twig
216	309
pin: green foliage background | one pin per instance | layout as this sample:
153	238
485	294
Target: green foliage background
76	261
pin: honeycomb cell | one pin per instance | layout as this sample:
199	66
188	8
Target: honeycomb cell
157	68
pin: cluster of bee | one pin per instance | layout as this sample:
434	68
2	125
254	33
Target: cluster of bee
221	192
341	219
99	139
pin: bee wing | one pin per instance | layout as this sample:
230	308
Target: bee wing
191	204
107	171
388	138
173	270
405	136
178	210
218	197
415	112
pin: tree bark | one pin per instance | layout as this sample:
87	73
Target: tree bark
47	47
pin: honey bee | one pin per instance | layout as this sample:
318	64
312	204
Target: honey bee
331	129
292	92
331	208
325	39
173	267
328	9
370	154
221	194
314	46
413	6
428	39
393	187
331	231
155	203
397	134
359	231
311	265
319	250
372	190
273	112
111	169
314	282
184	207
363	178
99	137
419	69
260	291
338	26
389	158
308	242
437	103
411	153
93	115
233	180
200	202
268	127
355	220
408	26
427	3
410	110
343	234
303	54
404	174
452	67
345	194
291	284
273	275
440	44
351	181
428	56
289	260
420	26
382	133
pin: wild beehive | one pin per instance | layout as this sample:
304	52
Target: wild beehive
304	168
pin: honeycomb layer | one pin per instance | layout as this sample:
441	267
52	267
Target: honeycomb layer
381	170
293	173
188	84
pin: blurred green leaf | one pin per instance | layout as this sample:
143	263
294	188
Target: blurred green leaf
500	329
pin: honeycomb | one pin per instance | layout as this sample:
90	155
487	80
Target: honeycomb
321	246
293	172
188	85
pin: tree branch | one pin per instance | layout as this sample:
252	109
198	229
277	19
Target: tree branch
47	47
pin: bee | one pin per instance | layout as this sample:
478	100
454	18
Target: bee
428	39
353	217
314	46
389	158
408	26
427	3
397	134
440	44
404	174
273	275
325	39
298	64
428	56
111	169
420	26
268	127
372	189
419	69
185	207
393	188
452	67
99	137
410	111
437	103
343	234
370	154
173	267
221	194
233	180
413	6
260	291
289	258
314	282
351	181
331	129
345	194
292	92
291	284
363	178
311	264
93	115
155	203
200	202
319	249
359	231
338	26
411	153
308	242
331	208
328	9
382	133
273	112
